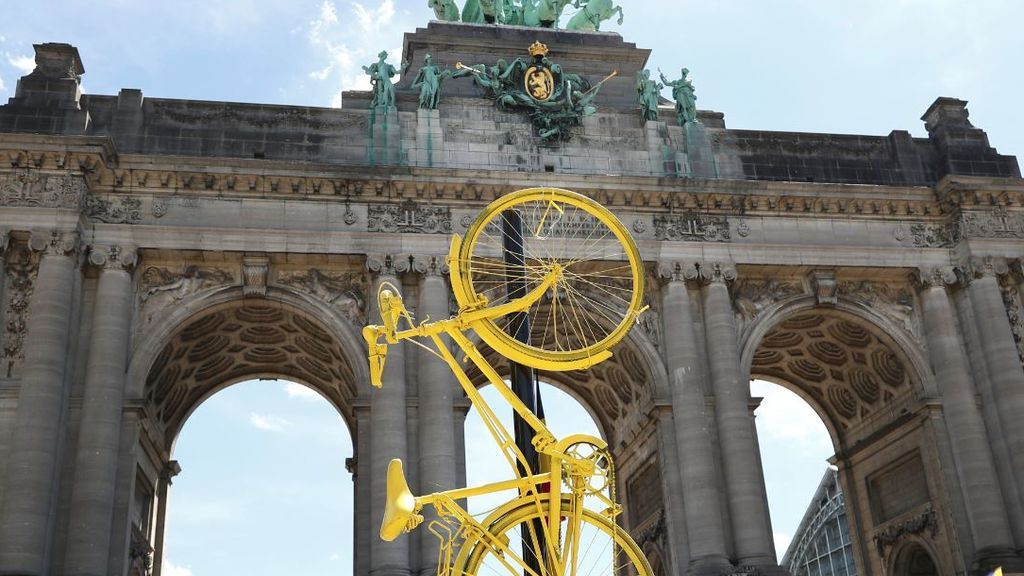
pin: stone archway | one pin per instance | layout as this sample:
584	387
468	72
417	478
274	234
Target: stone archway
230	340
870	391
914	560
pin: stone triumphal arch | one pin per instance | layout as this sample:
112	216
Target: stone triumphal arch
155	251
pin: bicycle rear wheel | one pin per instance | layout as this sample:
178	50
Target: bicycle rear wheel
603	548
591	306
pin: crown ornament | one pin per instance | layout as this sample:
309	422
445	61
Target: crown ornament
538	49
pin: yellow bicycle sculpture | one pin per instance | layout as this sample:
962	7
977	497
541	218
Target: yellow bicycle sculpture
583	291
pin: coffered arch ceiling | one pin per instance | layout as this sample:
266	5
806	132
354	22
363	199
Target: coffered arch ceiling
851	372
245	339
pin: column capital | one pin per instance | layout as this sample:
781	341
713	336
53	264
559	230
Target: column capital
717	272
388	264
113	257
429	265
674	271
55	242
935	277
5	240
170	470
983	266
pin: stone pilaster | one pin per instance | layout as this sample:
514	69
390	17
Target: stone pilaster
163	489
699	478
25	517
736	433
388	428
1006	377
972	456
92	496
437	392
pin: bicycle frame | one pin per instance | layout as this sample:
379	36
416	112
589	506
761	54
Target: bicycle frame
529	482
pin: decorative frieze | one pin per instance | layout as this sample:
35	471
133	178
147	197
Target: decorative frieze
119	210
752	296
409	217
995	223
343	291
31	189
692	227
926	235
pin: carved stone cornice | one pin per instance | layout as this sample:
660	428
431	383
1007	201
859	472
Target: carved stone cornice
430	265
113	257
53	242
388	264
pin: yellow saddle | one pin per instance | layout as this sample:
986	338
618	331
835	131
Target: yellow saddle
400	509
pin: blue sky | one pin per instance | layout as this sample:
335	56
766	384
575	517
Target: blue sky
850	67
264	490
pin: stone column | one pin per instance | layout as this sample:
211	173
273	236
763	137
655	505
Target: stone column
167	475
388	429
92	496
743	482
971	452
1006	376
706	534
437	390
25	527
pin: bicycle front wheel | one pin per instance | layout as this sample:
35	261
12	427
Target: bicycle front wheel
601	547
593	303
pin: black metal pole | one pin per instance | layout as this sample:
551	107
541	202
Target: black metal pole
523	380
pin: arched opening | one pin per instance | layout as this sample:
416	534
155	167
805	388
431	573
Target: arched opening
263	487
914	560
834	387
195	363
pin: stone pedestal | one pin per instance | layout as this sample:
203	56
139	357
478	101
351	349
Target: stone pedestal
384	138
699	151
429	139
660	149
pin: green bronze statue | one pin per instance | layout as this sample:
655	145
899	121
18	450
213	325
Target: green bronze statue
429	80
381	73
686	100
591	15
647	91
549	11
511	13
472	12
445	10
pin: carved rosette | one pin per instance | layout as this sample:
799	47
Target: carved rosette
55	243
344	290
409	217
430	265
388	264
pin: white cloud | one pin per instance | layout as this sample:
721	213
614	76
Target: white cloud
784	416
171	569
781	543
24	63
2	87
299	391
334	557
371	20
269	423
